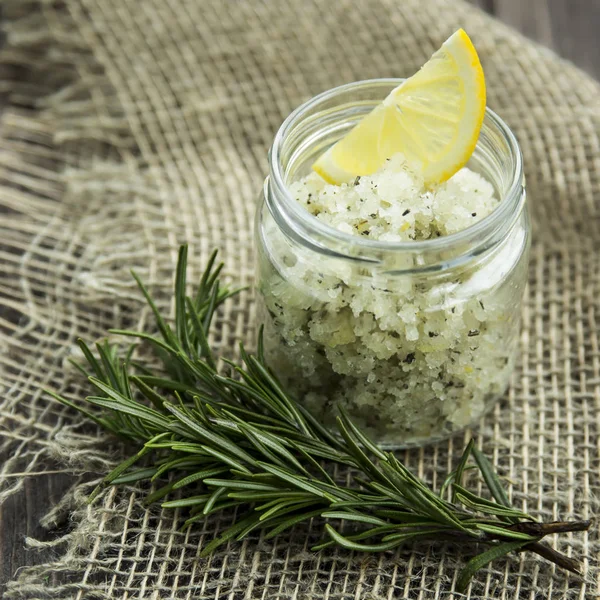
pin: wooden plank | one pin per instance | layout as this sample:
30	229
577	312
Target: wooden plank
20	517
530	17
569	27
575	25
487	5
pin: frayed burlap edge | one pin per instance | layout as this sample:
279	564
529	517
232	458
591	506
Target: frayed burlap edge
52	88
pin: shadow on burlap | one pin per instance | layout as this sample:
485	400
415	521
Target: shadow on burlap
133	126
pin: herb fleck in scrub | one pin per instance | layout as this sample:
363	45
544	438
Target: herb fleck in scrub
390	274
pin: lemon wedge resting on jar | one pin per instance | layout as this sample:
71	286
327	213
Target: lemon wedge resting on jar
433	119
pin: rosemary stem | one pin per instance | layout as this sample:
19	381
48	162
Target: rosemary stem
543	529
559	559
539	548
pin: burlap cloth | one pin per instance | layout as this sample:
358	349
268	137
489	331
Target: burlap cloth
131	126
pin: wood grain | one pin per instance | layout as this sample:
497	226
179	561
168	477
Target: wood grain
20	518
567	26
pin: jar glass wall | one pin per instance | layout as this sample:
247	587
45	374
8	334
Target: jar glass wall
416	339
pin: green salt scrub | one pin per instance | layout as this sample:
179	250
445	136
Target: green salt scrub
410	357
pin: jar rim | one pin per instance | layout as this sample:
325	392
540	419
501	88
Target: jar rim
305	224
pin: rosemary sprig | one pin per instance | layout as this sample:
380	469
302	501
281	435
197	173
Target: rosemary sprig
239	440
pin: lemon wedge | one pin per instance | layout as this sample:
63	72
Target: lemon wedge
433	119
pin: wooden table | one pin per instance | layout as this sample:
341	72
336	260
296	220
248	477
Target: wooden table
570	27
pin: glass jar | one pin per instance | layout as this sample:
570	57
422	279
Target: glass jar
416	340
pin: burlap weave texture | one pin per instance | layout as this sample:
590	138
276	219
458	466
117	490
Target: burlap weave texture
131	126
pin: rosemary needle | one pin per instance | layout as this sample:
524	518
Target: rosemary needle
240	441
